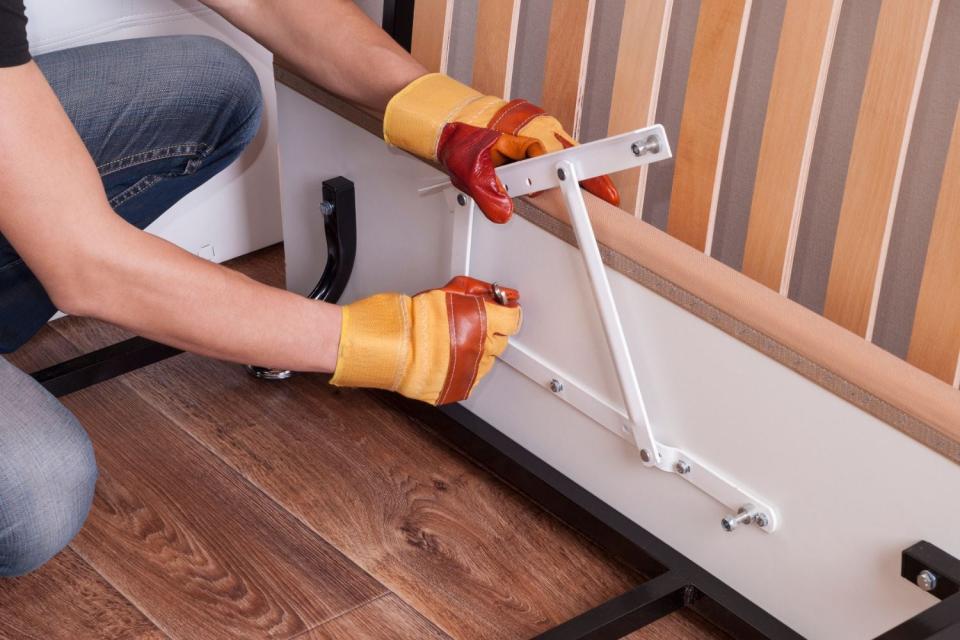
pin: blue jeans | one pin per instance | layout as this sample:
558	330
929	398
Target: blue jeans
159	116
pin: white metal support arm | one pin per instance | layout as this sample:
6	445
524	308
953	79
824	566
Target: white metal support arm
564	169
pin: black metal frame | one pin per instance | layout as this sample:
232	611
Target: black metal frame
340	227
942	620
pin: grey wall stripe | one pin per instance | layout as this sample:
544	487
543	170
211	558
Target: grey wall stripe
746	131
601	69
463	29
531	53
920	188
673	88
831	152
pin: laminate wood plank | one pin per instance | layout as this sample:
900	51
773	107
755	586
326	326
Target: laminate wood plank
386	617
430	38
464	550
897	59
197	548
935	339
789	131
494	46
568	48
66	599
636	84
711	85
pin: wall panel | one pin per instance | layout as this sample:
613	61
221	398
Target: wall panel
495	43
568	45
430	40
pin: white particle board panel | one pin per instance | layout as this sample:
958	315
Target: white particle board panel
237	211
852	492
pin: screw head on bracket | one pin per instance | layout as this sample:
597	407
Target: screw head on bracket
682	467
461	200
745	515
556	386
644	455
927	580
761	520
561	174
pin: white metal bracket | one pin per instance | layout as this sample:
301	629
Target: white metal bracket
564	169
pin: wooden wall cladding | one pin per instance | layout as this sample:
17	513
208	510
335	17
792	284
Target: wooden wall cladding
808	201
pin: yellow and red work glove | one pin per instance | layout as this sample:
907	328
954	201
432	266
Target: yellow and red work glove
433	347
470	134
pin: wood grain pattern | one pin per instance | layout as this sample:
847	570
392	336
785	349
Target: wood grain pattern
711	85
789	130
897	59
433	528
568	47
386	617
495	43
430	39
67	600
636	84
196	547
935	340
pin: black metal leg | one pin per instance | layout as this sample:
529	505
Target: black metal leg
634	609
398	21
941	572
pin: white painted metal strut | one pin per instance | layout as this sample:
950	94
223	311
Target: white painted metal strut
564	169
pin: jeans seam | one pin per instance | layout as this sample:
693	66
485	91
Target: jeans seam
12	264
161	153
134	190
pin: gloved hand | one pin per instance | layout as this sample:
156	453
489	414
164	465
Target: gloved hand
469	134
432	347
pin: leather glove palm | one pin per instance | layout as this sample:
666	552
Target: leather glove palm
469	134
434	346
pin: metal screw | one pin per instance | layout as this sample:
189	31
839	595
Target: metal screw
556	386
561	174
744	516
927	580
761	520
682	467
326	208
644	455
461	200
651	145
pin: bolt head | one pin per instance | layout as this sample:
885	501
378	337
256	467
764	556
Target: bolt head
927	580
644	455
728	524
682	467
635	147
556	386
461	200
761	520
561	174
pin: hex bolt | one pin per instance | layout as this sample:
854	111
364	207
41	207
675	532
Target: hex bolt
745	515
561	174
461	200
927	580
644	455
556	386
682	467
326	208
650	145
761	520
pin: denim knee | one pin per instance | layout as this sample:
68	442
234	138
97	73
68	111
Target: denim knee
47	475
231	86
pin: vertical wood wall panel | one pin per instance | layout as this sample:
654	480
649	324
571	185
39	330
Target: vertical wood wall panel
889	101
636	85
495	44
789	130
430	40
571	25
935	341
711	84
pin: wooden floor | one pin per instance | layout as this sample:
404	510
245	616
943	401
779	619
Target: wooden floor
234	508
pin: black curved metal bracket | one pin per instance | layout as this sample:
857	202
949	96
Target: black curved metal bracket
340	227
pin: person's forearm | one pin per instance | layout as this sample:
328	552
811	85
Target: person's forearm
157	290
331	42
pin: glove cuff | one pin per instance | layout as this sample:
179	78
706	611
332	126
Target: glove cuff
374	342
416	115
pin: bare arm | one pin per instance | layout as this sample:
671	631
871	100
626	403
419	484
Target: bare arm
331	42
54	212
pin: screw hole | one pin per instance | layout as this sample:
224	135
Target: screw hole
529	181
